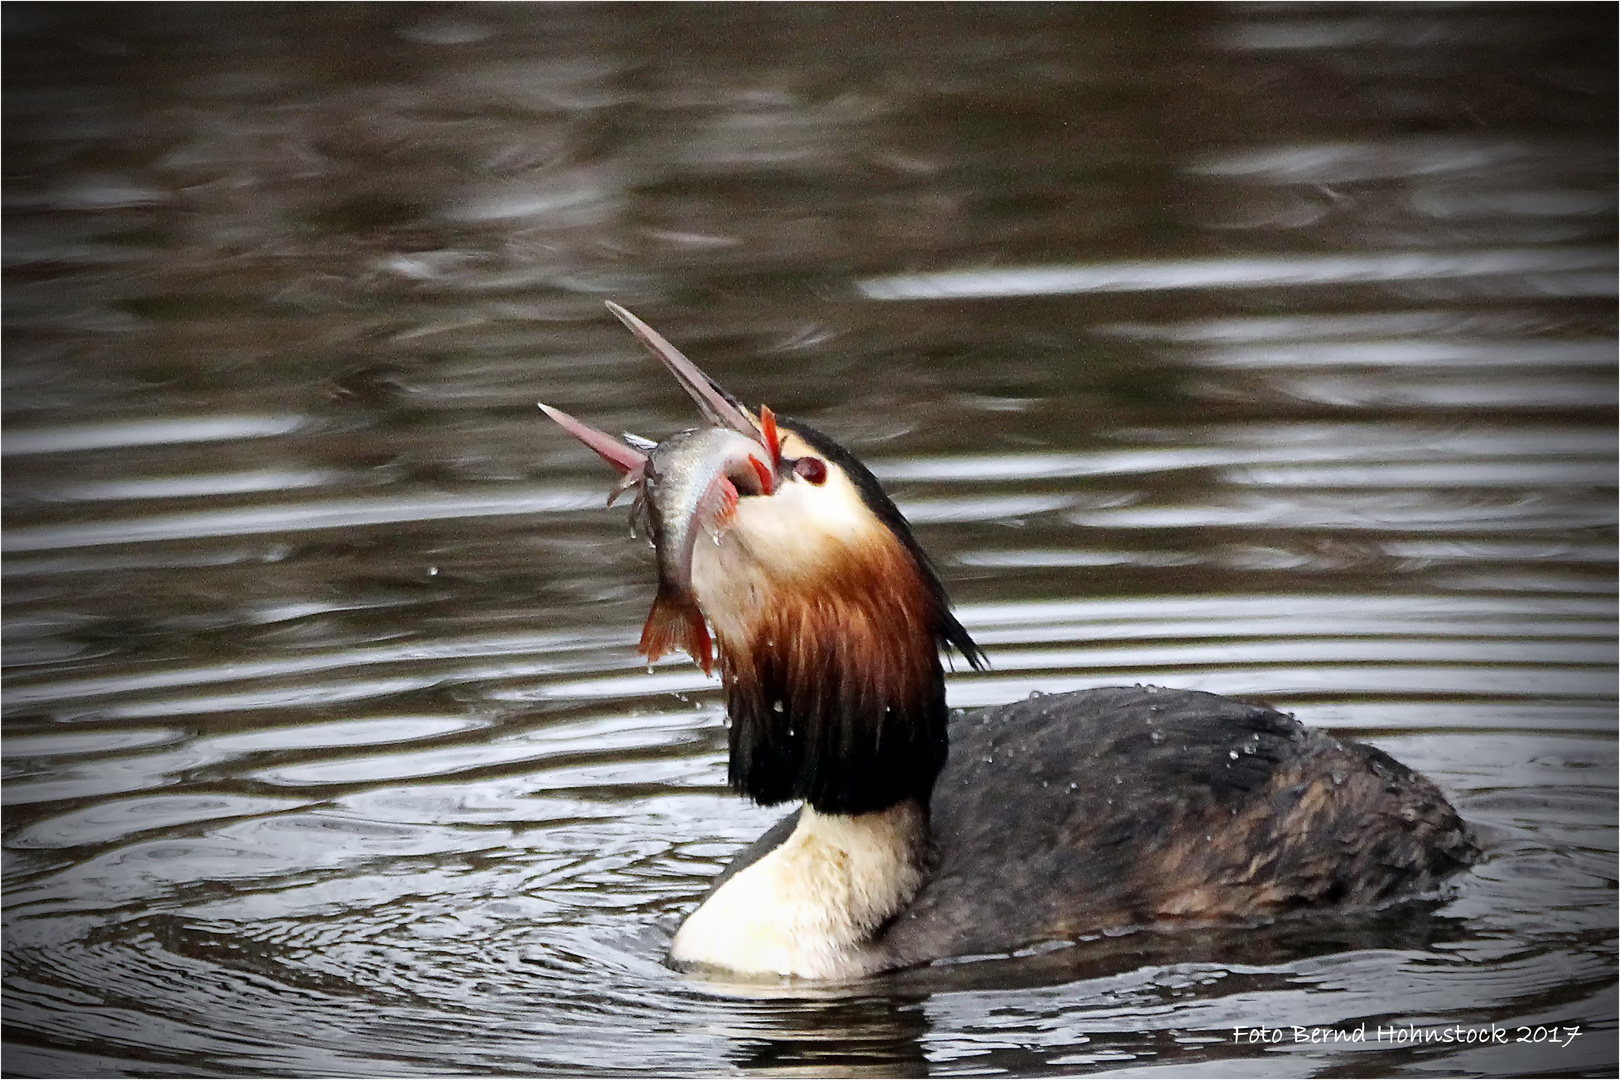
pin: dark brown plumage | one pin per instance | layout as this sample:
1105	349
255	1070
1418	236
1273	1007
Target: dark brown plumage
1069	815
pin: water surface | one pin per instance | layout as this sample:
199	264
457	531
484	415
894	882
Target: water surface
1267	350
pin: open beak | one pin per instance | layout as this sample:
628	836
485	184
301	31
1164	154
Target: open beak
719	408
686	485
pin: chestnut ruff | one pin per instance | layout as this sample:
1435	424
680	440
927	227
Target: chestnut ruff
835	688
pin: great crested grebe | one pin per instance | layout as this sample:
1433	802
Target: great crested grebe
925	835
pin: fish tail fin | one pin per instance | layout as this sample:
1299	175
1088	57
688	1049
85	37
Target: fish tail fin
673	624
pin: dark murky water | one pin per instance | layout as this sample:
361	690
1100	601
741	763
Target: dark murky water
1268	350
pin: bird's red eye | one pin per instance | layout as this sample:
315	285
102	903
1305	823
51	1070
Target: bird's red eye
812	469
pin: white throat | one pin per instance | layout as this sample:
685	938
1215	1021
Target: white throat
810	906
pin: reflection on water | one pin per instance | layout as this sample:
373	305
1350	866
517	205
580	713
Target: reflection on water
1266	350
326	514
71	437
1260	273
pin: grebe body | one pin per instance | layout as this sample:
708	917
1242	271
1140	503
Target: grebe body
923	835
1143	807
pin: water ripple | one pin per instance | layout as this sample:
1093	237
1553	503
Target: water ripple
1354	511
119	818
1364	446
1448	474
1243	272
553	645
1285	613
189	487
127	433
1424	353
299	517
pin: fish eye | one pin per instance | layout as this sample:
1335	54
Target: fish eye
811	469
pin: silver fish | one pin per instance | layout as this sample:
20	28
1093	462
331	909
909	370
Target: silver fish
690	485
687	484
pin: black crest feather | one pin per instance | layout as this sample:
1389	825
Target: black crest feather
948	632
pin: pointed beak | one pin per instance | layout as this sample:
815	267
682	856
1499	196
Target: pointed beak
718	407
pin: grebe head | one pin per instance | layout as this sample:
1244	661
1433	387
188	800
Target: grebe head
828	616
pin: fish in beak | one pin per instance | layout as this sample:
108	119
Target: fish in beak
686	486
690	487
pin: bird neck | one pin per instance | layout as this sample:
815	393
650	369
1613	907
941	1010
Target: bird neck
834	685
811	906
